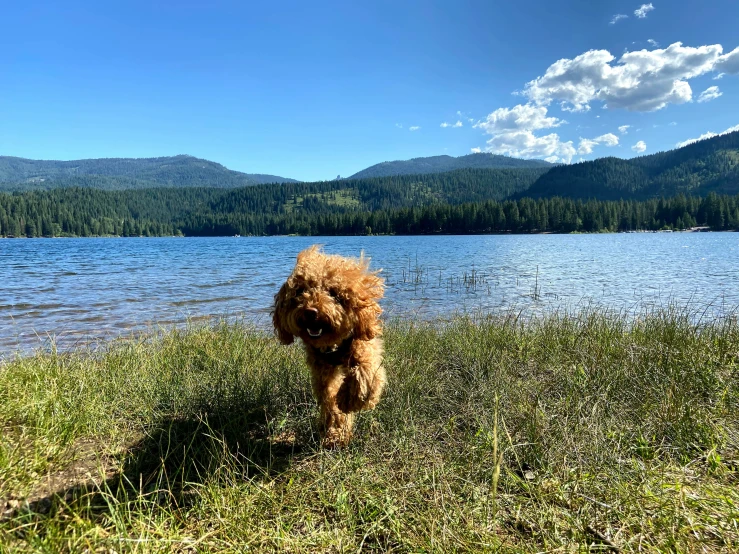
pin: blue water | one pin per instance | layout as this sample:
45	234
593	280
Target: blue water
75	290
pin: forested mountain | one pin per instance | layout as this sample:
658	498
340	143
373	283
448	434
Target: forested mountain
70	205
439	164
673	189
706	166
18	174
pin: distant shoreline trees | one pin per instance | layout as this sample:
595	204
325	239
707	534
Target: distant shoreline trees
77	212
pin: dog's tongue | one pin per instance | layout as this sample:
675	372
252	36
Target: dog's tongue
315	333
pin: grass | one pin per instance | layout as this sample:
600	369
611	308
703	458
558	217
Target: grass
565	433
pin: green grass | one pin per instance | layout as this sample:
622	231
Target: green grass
561	434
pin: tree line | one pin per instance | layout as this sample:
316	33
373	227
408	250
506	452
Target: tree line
210	212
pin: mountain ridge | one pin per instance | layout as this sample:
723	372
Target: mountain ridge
699	168
445	163
182	170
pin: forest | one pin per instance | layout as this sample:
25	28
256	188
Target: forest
202	212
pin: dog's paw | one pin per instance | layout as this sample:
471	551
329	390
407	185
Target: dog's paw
336	439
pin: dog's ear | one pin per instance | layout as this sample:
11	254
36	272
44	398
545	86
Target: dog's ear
278	315
368	324
367	309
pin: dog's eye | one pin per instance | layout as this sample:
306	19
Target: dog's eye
336	294
299	291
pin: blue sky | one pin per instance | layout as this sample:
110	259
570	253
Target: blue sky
311	90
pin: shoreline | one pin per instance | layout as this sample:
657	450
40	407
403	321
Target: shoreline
503	233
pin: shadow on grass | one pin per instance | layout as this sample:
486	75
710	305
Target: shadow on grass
166	468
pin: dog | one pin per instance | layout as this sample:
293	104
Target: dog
331	303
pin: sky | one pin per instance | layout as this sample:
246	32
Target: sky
312	90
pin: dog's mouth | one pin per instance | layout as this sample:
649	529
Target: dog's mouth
314	327
315	332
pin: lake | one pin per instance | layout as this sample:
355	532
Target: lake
76	290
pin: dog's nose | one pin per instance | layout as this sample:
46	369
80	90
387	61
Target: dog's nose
311	313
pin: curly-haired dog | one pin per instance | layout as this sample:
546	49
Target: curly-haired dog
330	302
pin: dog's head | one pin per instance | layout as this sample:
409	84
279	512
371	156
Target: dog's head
328	299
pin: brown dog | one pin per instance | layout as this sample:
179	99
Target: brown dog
330	302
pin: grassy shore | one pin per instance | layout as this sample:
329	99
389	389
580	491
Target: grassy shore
586	431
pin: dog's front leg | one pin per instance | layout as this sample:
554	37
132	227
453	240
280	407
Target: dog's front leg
365	381
336	424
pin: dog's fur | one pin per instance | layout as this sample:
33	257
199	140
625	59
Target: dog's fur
331	303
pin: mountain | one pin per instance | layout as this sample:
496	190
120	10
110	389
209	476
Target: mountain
18	174
710	165
440	164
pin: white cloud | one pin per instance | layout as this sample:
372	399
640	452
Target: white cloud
642	12
639	147
399	125
707	135
445	125
414	128
476	150
652	42
609	139
520	117
624	129
711	93
454	125
643	80
524	144
618	17
551	159
512	131
719	76
729	63
586	145
457	124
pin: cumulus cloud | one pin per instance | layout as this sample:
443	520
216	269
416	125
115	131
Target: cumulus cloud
476	150
624	129
453	125
652	42
414	128
639	147
642	11
524	144
518	118
711	93
586	145
719	76
707	135
512	133
729	63
551	159
618	17
644	80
